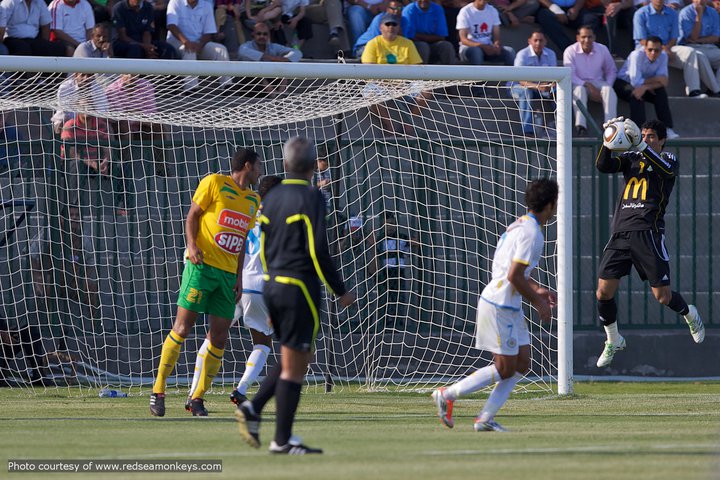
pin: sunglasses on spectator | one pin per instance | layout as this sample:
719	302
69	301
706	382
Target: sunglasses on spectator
262	34
391	24
654	49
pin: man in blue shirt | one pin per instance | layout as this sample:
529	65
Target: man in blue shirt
643	78
428	20
536	54
394	7
700	30
659	20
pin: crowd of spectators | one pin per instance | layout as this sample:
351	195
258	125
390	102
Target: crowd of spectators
443	32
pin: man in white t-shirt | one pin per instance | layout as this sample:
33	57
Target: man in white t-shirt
72	23
191	25
478	25
501	327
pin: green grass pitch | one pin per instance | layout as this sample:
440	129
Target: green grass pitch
605	431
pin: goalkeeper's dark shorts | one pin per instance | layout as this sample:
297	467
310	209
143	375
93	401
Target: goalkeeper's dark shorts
293	306
645	250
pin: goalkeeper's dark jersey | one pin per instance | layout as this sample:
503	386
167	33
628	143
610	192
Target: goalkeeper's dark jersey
649	180
293	234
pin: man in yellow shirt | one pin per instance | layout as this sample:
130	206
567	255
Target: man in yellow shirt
391	48
223	209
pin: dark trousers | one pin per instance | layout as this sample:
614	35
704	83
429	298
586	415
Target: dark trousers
132	50
657	97
555	31
37	47
33	352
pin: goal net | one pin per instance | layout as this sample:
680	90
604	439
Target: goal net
426	166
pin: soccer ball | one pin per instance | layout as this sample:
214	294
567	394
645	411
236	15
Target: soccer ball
614	137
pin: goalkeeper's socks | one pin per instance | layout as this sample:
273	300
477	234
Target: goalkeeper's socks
472	383
498	397
253	367
267	389
168	358
678	304
287	398
613	335
211	366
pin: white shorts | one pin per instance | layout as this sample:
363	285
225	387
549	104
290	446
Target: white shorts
500	330
254	312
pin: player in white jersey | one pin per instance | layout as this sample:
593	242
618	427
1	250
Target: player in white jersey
251	308
501	326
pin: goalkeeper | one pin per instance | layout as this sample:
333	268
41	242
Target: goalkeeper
638	231
222	211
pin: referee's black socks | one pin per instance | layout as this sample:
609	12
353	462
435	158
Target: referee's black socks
287	398
267	389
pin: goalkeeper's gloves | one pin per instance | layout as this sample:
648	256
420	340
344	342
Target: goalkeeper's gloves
634	135
611	121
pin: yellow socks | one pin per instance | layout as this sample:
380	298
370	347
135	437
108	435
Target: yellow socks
168	358
210	368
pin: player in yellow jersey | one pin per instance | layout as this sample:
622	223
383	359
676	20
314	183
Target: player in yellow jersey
223	209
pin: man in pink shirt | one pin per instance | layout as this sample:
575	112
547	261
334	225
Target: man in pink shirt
593	75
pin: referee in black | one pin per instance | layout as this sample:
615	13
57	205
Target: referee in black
295	258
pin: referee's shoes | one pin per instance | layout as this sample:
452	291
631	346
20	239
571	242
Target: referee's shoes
248	423
293	447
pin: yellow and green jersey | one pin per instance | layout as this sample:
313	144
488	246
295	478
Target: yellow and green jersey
228	214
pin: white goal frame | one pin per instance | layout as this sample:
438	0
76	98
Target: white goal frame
559	75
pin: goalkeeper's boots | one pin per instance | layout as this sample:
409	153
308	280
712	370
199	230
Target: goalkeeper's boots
237	398
444	407
606	357
293	447
157	404
248	424
197	407
697	329
488	426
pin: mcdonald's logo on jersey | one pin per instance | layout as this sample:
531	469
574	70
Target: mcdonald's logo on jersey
638	186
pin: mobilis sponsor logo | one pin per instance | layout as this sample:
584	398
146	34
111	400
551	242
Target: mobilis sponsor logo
231	242
234	221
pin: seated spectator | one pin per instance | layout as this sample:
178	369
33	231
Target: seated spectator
260	48
479	27
428	20
659	20
330	13
131	94
293	16
86	154
359	15
72	23
191	25
536	54
25	29
552	16
391	48
593	76
703	36
98	46
394	7
513	13
77	88
452	8
643	78
323	182
618	14
230	29
133	21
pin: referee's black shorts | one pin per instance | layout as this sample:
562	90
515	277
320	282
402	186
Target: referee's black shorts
293	303
643	249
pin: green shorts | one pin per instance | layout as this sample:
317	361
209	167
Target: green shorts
206	289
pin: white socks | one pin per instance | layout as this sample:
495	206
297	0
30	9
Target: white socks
472	383
253	367
498	397
199	360
613	335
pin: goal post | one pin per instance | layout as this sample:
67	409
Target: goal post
449	178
